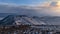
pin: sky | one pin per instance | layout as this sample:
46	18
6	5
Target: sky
22	1
31	7
27	2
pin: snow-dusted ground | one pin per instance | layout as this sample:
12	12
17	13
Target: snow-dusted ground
1	18
18	20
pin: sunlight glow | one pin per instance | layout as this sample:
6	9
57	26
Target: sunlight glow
58	3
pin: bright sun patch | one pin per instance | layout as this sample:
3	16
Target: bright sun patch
58	3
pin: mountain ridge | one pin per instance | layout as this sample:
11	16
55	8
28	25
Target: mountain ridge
23	19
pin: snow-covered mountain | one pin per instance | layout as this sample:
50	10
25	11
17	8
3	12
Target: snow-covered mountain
51	20
3	15
23	20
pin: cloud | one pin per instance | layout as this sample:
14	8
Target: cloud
45	9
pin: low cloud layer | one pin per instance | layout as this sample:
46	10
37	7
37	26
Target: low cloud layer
47	9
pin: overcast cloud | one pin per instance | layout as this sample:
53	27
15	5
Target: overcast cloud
36	10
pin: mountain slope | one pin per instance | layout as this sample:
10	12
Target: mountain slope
27	20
